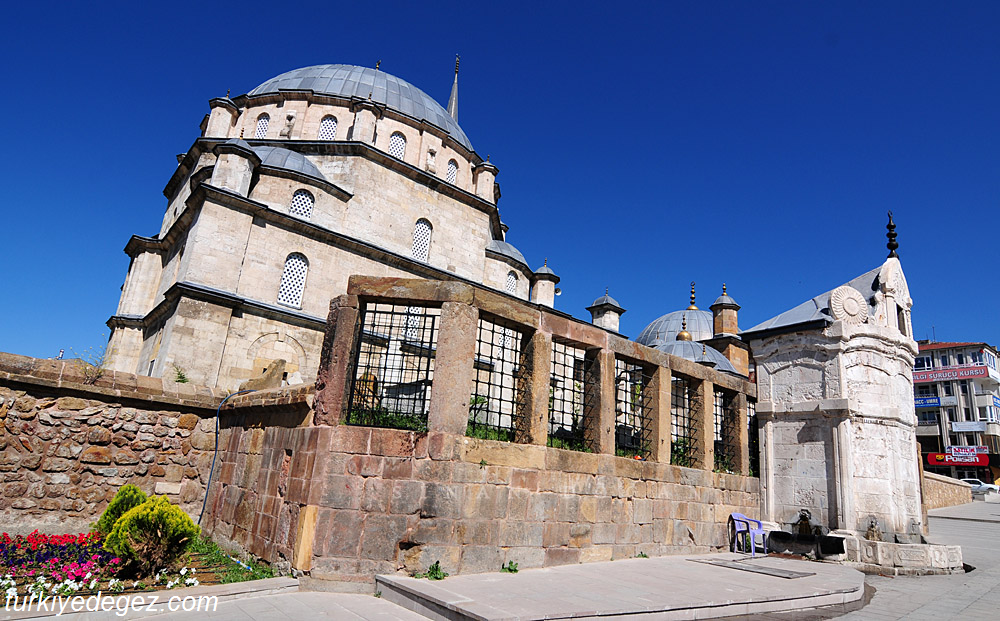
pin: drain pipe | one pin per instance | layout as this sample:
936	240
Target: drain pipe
215	455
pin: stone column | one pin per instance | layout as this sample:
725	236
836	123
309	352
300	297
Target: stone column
333	376
454	371
742	436
658	393
537	361
599	402
702	399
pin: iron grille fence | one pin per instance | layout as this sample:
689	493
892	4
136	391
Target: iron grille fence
393	366
725	418
682	424
633	409
570	398
496	407
753	438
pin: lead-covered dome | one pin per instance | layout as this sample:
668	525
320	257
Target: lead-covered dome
699	324
349	81
696	352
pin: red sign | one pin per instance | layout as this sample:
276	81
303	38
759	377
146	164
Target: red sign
951	373
944	459
966	450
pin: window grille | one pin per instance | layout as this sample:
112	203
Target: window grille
633	427
452	171
724	421
511	286
393	367
570	397
261	131
682	423
327	128
293	280
302	204
496	407
753	438
397	145
422	240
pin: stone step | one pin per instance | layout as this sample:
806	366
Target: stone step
660	588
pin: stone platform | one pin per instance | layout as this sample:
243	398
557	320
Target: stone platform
679	587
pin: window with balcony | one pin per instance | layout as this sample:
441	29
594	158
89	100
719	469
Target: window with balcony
960	359
927	390
944	360
927	417
948	390
923	362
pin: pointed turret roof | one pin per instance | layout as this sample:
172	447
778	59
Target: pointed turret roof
453	100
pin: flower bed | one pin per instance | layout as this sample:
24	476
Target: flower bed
42	565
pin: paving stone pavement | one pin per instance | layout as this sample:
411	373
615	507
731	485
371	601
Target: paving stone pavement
973	595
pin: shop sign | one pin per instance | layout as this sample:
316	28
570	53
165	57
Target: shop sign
944	459
996	401
951	373
968	426
966	450
928	402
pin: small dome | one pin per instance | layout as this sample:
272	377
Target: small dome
724	299
349	81
696	352
276	157
605	299
507	250
666	328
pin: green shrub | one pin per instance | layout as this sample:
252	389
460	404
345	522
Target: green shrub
127	497
152	536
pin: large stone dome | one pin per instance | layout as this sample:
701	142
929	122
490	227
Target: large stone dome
699	324
349	81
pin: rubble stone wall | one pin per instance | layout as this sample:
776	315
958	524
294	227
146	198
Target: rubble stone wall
941	491
70	437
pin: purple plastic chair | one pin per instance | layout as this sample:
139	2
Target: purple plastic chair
749	528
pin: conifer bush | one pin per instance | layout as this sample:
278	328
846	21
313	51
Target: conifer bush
127	497
152	536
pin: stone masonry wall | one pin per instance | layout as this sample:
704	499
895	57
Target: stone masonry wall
344	503
69	440
941	491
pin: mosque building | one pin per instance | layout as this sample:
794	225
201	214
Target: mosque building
315	175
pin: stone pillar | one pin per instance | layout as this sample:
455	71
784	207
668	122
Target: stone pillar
702	399
366	113
599	402
333	376
485	177
658	393
454	371
537	359
742	438
234	167
222	118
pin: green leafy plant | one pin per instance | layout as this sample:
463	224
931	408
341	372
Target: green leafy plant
642	555
724	463
680	453
382	417
434	572
179	376
509	568
152	536
126	498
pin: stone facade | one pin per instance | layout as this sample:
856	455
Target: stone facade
70	438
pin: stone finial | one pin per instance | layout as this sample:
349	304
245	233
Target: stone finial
891	234
692	307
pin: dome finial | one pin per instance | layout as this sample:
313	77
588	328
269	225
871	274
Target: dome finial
891	234
692	307
605	291
546	262
684	335
227	93
241	133
377	63
723	288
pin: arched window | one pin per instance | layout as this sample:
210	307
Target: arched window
302	204
327	128
511	287
452	171
422	240
261	131
397	145
293	280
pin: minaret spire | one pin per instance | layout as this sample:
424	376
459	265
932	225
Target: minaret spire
453	100
892	245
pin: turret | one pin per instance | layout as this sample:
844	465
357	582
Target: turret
606	312
234	166
543	286
222	118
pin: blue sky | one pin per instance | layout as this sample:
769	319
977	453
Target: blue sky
640	146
